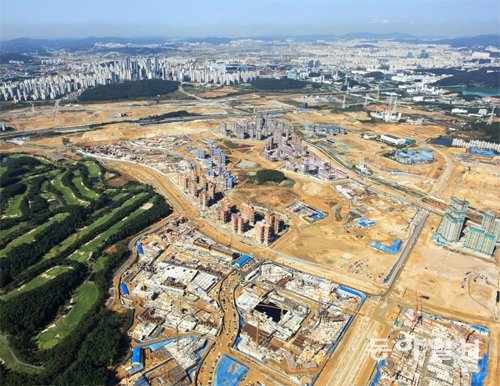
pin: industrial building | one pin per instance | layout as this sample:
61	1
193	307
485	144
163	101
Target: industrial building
412	157
393	140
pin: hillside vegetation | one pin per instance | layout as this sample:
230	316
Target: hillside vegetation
129	90
55	273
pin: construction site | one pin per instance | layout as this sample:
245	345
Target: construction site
291	321
427	349
280	282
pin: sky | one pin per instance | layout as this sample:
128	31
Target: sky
190	18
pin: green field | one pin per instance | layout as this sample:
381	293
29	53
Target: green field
84	191
93	168
84	298
13	209
7	357
4	233
30	236
88	229
67	193
37	281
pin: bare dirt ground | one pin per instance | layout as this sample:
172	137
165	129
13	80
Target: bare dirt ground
74	114
220	92
478	183
336	241
448	278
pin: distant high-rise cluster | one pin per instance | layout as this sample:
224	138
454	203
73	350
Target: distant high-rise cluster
260	128
81	76
481	238
280	147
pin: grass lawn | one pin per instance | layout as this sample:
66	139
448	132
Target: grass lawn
94	170
109	175
13	208
67	193
84	191
101	220
37	281
119	196
84	298
99	265
4	233
9	361
86	250
30	236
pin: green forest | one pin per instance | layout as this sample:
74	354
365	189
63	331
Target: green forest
269	175
271	84
55	272
129	90
488	77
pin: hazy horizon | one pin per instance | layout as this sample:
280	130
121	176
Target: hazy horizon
242	18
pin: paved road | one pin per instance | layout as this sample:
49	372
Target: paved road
400	263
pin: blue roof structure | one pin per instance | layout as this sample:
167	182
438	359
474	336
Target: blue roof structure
392	249
136	355
366	223
483	152
124	289
229	372
243	260
426	155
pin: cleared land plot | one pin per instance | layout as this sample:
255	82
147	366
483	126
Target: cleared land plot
85	297
37	281
452	281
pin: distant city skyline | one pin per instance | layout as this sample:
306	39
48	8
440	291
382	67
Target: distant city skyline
196	18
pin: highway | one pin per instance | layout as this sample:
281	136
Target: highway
143	123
